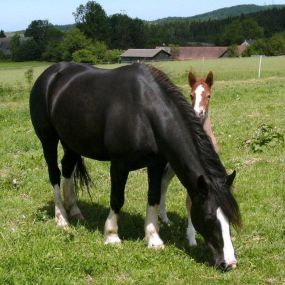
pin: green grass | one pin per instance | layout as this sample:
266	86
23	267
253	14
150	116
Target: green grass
34	251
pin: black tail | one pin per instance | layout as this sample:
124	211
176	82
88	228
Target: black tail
81	176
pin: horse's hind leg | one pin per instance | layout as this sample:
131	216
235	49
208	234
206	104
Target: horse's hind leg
168	174
69	162
50	153
155	172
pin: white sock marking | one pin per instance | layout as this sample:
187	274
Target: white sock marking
111	229
151	228
60	213
70	198
191	233
229	254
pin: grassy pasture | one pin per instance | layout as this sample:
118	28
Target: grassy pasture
33	251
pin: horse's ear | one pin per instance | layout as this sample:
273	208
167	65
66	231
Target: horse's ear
230	178
210	79
202	185
191	79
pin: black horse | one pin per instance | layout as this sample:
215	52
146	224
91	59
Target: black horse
134	117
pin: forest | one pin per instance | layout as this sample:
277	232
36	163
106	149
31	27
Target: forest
96	37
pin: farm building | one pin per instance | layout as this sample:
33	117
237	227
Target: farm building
5	46
132	55
198	52
206	52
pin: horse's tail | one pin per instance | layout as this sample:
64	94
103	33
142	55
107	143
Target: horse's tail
81	175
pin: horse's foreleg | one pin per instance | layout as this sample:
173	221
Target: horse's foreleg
119	174
166	178
190	229
152	237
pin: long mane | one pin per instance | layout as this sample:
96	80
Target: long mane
208	157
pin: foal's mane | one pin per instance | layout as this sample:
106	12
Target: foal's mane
208	157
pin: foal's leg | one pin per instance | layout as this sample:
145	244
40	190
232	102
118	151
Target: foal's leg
68	168
152	237
190	229
168	174
119	174
50	153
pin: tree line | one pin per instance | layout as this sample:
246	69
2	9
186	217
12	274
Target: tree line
97	37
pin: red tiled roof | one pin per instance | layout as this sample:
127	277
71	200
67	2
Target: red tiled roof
200	52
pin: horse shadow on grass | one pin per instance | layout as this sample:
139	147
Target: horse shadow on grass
131	227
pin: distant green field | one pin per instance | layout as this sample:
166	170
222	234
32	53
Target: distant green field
224	69
34	251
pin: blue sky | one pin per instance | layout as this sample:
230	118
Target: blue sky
18	14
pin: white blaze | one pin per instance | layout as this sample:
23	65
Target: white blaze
198	98
229	254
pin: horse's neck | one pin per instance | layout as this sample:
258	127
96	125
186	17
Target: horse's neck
181	151
208	129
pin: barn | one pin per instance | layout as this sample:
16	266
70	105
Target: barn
199	52
135	55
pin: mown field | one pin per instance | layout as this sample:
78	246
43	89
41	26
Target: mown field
34	251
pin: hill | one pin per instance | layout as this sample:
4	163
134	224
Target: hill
223	13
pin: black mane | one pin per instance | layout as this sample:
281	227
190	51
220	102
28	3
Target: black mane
208	157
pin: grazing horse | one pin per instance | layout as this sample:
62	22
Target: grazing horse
200	97
134	117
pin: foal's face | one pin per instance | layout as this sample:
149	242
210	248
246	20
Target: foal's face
210	221
200	93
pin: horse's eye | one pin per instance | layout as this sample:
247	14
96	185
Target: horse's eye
209	97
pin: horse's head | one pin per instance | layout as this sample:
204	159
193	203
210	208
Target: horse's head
200	93
211	213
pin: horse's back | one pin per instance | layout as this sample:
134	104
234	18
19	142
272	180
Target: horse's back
90	108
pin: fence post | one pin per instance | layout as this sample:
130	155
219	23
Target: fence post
259	68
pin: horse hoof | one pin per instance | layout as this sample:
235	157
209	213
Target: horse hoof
112	239
156	247
79	217
192	243
61	223
155	243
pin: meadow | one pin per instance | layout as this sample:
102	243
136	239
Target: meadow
34	251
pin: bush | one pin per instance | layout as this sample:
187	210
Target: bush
84	56
233	51
266	136
113	56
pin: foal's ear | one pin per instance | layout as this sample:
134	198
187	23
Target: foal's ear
202	185
230	178
210	79
191	79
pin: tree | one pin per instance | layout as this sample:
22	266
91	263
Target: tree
92	20
276	45
38	30
53	50
22	50
74	40
237	31
2	34
84	55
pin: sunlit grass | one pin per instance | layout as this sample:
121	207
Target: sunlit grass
34	251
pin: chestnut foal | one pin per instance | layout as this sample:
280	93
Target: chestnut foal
200	96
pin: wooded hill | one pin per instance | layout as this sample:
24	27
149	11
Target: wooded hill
220	14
